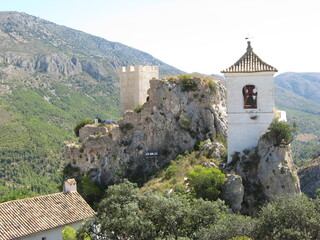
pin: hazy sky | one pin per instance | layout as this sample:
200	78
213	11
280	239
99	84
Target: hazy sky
203	36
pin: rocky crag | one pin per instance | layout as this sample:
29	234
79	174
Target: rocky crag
173	120
310	178
267	171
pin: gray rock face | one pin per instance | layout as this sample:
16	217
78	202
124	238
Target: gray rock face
310	179
233	192
213	149
93	129
57	63
267	172
171	122
276	170
34	44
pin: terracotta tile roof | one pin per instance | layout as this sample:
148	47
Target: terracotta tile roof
33	215
249	63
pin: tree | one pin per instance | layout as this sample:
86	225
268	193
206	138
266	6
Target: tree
126	213
90	191
81	124
294	218
206	182
228	227
231	226
68	233
282	132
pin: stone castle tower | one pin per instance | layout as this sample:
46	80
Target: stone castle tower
134	84
250	101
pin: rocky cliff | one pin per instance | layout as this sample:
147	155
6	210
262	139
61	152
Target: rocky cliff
34	44
175	119
310	178
266	171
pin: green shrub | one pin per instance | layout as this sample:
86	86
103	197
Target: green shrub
69	171
185	122
235	227
90	191
81	124
68	233
318	193
188	84
206	182
126	127
171	170
289	217
125	213
283	133
138	108
212	85
241	238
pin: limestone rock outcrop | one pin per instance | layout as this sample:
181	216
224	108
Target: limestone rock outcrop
233	191
172	121
310	178
266	171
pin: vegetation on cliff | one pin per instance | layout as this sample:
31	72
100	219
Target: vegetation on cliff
282	132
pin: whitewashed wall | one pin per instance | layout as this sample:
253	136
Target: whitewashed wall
246	125
53	234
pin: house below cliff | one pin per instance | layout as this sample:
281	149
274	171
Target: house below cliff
43	217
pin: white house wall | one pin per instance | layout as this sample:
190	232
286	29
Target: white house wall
53	234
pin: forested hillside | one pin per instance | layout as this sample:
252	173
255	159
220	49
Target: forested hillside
299	95
51	77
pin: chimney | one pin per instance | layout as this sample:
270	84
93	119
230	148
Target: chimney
70	185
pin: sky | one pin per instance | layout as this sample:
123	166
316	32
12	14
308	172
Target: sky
204	36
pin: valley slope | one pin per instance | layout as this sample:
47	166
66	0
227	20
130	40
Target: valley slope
299	95
51	77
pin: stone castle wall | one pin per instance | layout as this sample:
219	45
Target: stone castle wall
134	84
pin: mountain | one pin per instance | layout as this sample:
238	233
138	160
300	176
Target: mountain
51	77
306	85
299	95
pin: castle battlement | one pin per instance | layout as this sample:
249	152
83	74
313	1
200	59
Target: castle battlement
138	68
134	84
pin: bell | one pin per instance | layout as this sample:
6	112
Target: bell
250	100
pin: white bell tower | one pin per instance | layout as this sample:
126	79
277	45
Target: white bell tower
250	101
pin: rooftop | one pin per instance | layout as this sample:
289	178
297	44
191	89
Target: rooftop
250	63
28	216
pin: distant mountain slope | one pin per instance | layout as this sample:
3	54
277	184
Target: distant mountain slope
51	77
306	85
33	37
288	99
299	95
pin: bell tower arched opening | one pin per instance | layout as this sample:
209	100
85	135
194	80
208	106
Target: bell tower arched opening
250	95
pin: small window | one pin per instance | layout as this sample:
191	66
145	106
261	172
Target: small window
44	238
250	96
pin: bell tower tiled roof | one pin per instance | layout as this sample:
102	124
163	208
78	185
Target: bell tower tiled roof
250	63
